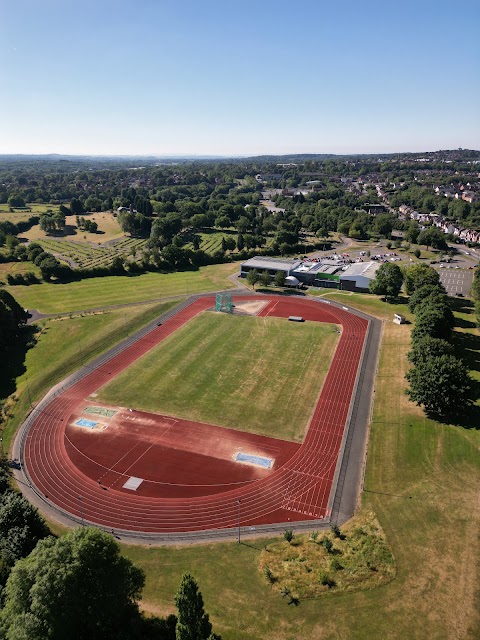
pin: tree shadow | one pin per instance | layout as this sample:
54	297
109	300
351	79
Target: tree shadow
467	346
14	360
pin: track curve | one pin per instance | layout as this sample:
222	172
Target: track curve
298	490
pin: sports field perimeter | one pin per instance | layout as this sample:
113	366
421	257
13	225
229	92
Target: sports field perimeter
257	374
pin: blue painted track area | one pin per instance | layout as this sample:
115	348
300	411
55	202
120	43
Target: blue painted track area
86	423
266	463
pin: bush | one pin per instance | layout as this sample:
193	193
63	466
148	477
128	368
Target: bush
335	565
288	535
268	575
326	580
327	544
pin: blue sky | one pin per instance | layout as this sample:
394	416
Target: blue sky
238	78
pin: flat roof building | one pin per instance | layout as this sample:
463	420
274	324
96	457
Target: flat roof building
272	265
360	273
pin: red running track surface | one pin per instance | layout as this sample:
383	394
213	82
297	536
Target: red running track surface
298	488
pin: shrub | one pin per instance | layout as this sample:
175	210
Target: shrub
268	575
335	565
326	580
288	535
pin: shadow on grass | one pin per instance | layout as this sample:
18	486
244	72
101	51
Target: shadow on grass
467	346
13	364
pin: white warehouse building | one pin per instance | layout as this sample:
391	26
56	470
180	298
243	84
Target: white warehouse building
360	274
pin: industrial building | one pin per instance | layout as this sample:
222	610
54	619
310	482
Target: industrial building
330	272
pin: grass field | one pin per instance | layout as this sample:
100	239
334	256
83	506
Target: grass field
16	268
108	229
18	215
99	292
422	481
261	375
58	352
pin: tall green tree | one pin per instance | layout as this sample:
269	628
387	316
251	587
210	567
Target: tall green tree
265	279
432	237
432	292
433	319
192	623
441	384
388	281
77	587
426	347
419	275
253	277
280	279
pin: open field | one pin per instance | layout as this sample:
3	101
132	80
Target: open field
64	345
368	303
20	214
422	481
108	229
16	268
261	375
100	292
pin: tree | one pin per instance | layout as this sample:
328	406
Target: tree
434	292
417	253
76	207
432	237
388	281
230	244
280	279
50	267
265	278
441	384
433	319
384	225
419	275
253	277
426	347
240	242
75	587
193	623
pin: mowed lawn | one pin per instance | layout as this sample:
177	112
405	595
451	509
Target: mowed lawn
100	292
422	481
261	375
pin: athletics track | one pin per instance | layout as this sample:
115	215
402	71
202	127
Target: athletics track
298	489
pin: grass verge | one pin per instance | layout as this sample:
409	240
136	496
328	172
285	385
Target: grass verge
100	292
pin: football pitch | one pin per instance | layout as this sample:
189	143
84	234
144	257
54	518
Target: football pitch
261	375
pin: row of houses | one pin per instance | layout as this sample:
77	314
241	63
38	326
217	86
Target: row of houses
462	233
464	192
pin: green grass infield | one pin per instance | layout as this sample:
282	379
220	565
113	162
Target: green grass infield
261	375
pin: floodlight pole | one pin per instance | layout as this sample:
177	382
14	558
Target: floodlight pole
239	502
